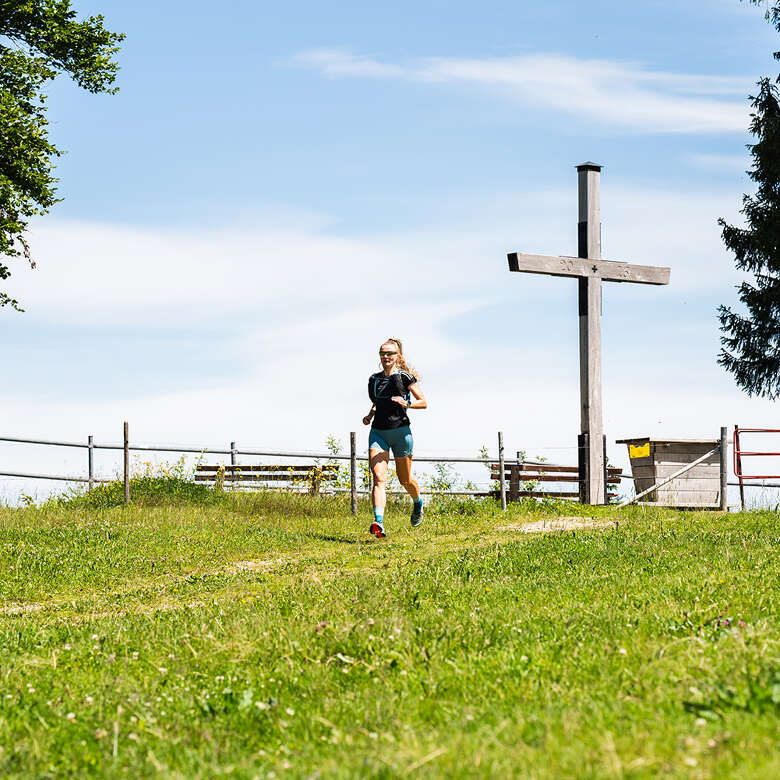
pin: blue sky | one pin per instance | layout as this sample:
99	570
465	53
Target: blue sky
278	188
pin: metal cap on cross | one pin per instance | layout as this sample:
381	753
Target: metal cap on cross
590	270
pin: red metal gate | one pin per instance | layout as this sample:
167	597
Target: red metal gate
739	453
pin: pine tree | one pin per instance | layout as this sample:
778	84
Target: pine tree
751	341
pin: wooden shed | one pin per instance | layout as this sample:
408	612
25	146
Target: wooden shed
653	460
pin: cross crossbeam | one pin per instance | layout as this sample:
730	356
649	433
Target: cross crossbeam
606	270
590	271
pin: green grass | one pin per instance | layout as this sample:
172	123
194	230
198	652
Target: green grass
267	635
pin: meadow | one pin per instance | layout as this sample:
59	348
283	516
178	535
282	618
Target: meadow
203	634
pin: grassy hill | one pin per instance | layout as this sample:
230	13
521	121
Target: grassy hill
267	635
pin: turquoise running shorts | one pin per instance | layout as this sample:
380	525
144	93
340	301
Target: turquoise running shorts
399	440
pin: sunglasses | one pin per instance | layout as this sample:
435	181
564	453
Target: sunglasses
386	354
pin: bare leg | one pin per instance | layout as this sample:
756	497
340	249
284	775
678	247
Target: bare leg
403	468
378	461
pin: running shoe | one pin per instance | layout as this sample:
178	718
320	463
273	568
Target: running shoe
377	530
417	515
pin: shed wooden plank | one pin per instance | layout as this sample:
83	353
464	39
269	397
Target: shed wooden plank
269	469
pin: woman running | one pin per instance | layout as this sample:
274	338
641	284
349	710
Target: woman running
391	391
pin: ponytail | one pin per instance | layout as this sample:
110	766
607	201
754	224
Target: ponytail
400	360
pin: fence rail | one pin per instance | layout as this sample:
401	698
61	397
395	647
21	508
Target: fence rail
353	457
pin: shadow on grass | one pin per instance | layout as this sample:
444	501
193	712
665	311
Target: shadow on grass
338	539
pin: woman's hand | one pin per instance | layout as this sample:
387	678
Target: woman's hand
401	401
367	420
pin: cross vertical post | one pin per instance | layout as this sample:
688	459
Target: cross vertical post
591	415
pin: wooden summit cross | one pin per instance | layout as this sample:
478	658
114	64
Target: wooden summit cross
590	270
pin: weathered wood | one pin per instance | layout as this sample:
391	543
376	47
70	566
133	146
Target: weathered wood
654	488
353	472
703	471
540	494
90	462
239	476
590	270
502	473
545	468
126	448
581	267
537	468
270	469
546	477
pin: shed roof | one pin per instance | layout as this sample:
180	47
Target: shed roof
646	439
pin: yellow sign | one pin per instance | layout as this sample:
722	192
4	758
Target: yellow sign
639	450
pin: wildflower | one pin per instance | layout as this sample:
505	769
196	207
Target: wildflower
371	621
133	719
622	651
95	638
741	624
323	624
162	670
132	736
700	722
290	711
89	700
71	716
66	647
135	656
100	733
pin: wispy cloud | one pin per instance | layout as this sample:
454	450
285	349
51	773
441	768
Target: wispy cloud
729	163
621	95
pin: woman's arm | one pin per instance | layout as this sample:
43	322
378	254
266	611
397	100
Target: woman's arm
367	419
419	399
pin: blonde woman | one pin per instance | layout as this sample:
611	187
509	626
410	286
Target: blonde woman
392	391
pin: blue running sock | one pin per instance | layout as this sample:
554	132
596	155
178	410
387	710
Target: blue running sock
417	502
379	515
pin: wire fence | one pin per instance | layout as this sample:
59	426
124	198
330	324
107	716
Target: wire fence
446	484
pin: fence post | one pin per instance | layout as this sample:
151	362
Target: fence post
127	463
606	473
90	463
501	474
724	448
353	472
583	463
233	464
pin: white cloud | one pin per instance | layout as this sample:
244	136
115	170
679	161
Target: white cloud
618	95
308	310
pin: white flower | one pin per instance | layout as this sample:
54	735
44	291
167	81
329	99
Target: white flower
71	716
622	651
88	699
290	711
95	637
